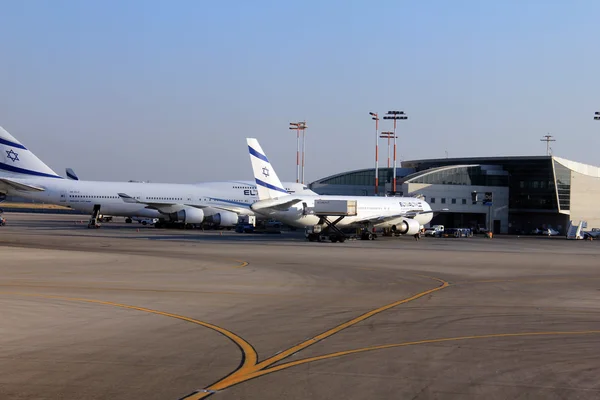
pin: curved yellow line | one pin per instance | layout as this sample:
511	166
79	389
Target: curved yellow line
429	341
333	331
243	374
242	263
248	352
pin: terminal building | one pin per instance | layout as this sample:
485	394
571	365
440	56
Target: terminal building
514	195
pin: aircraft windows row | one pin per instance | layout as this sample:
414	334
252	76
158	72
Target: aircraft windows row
244	187
82	196
164	198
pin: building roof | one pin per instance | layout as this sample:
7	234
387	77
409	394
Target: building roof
419	174
400	172
475	160
580	168
414	168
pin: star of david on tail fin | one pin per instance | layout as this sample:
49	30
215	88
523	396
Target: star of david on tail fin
267	183
17	161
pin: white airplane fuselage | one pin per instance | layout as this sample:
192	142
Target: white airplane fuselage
84	195
300	215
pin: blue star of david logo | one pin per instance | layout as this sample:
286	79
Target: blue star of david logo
265	172
11	155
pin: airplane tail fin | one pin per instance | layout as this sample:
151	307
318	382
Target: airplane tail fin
267	183
17	161
71	174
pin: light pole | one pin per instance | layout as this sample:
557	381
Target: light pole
303	128
299	126
395	115
548	138
375	117
387	135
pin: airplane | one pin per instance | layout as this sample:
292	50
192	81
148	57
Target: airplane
23	174
404	215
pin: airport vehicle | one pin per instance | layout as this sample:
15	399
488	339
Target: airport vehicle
220	203
145	221
2	221
435	231
457	232
594	233
545	231
404	215
479	229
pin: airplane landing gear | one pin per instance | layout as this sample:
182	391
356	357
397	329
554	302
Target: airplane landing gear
367	236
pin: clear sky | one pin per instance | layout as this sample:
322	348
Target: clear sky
168	90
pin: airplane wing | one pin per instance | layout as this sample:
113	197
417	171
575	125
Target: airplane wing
170	207
274	204
7	182
384	218
408	214
161	207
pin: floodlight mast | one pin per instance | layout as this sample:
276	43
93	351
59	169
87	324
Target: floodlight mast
387	135
375	117
299	126
395	116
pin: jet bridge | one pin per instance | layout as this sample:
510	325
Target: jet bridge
326	228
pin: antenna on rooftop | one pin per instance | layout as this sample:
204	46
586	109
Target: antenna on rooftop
548	138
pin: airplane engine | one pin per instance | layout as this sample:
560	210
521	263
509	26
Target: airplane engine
407	227
223	218
188	215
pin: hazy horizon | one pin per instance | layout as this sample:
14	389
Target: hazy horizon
168	91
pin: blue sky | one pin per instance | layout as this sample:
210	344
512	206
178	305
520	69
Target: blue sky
168	90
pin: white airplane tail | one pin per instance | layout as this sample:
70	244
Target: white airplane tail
267	183
17	161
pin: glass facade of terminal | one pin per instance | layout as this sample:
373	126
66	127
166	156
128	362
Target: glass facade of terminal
530	180
537	184
540	188
563	186
532	185
364	177
472	176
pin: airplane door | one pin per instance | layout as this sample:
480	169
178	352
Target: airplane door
63	196
304	208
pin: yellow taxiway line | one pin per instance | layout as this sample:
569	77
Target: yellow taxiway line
248	371
418	342
249	356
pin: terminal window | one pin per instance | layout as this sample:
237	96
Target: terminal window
432	200
443	200
464	201
453	201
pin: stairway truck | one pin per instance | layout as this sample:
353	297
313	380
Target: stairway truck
347	208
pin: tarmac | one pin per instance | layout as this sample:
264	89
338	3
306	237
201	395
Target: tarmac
133	312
